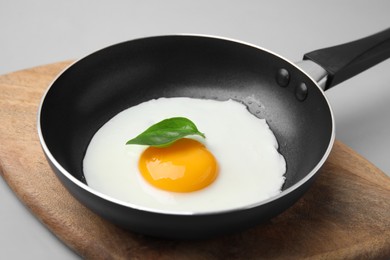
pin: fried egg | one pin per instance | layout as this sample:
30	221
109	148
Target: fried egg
235	166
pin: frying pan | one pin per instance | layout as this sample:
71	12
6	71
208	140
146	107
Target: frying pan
94	89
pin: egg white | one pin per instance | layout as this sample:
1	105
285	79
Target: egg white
250	166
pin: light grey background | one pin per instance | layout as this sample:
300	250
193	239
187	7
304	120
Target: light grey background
43	31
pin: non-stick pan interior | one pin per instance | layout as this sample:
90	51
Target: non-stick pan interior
102	84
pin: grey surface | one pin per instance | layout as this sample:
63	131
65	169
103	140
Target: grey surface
42	32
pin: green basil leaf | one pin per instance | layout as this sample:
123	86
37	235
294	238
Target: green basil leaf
166	132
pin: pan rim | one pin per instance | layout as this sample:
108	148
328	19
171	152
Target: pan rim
131	206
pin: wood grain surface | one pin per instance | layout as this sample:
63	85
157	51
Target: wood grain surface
344	215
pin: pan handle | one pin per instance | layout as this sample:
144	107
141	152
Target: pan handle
347	60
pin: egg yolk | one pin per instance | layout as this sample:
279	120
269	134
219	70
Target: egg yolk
184	166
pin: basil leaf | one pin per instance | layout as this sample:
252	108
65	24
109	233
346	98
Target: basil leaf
166	132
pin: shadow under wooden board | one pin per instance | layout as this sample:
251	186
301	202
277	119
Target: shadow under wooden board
344	215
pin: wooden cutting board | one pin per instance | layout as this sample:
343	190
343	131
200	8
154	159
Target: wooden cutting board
345	214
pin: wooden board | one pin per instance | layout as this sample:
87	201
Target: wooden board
345	214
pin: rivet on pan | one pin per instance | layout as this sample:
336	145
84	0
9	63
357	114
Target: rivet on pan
301	91
283	77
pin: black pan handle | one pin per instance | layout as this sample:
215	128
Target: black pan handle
347	60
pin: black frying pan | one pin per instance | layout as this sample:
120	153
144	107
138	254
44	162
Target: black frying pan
99	86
